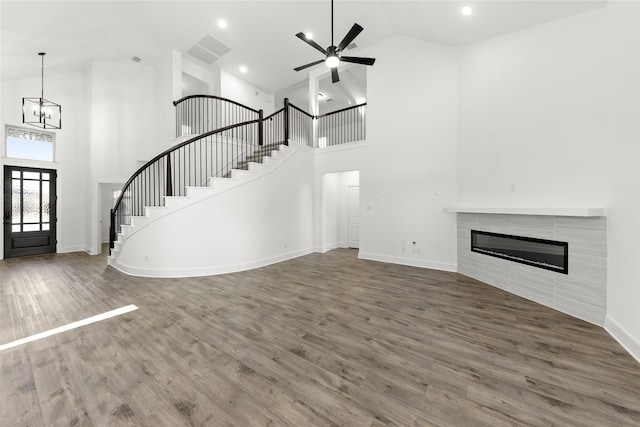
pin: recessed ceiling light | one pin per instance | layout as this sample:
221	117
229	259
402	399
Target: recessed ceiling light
309	36
222	23
467	10
243	69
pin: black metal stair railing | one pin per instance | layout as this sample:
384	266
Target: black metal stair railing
299	125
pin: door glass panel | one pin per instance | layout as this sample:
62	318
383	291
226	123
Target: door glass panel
15	174
45	227
16	207
45	177
31	175
31	227
45	201
31	200
15	228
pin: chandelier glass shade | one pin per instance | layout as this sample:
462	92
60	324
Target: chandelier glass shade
40	112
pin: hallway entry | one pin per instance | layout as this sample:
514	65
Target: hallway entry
341	210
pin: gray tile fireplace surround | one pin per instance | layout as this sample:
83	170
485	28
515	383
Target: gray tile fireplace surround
581	293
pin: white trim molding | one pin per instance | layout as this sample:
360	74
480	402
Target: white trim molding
412	262
624	338
205	271
582	212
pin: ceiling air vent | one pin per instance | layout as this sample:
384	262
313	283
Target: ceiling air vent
208	49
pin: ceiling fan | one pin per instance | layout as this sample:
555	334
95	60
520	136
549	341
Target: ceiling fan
332	53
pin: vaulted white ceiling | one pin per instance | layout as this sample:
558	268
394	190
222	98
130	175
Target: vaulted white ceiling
260	34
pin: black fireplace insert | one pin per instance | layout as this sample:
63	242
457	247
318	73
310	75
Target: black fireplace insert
548	254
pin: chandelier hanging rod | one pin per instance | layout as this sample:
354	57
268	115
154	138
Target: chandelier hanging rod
42	54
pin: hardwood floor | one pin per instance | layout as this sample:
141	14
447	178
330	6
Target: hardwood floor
322	340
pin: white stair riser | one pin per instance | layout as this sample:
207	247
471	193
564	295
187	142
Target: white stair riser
176	201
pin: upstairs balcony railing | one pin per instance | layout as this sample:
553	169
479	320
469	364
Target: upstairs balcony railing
342	126
228	135
197	114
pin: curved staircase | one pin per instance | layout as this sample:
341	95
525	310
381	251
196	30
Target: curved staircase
236	195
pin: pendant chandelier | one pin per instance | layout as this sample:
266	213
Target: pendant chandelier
39	112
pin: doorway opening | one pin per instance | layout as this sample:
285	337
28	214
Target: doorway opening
108	193
341	210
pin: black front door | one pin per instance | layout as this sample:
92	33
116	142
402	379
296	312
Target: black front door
29	211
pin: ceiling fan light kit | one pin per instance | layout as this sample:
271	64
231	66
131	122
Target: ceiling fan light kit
332	54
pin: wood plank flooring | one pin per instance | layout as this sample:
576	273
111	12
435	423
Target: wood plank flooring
322	340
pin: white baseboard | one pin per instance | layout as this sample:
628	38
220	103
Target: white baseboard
207	270
330	247
434	265
68	249
327	248
625	339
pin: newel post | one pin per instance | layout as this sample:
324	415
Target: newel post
112	229
261	127
286	121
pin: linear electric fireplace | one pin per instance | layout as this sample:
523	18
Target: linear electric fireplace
547	254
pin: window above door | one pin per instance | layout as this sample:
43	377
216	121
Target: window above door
21	143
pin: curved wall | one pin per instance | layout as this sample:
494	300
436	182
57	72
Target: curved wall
256	223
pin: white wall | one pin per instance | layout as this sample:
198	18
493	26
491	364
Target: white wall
237	90
167	88
409	176
71	154
549	117
123	120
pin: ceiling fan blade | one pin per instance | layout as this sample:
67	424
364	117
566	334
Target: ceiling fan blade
310	64
311	43
334	75
353	32
358	60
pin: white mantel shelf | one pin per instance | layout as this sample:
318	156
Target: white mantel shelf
581	212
